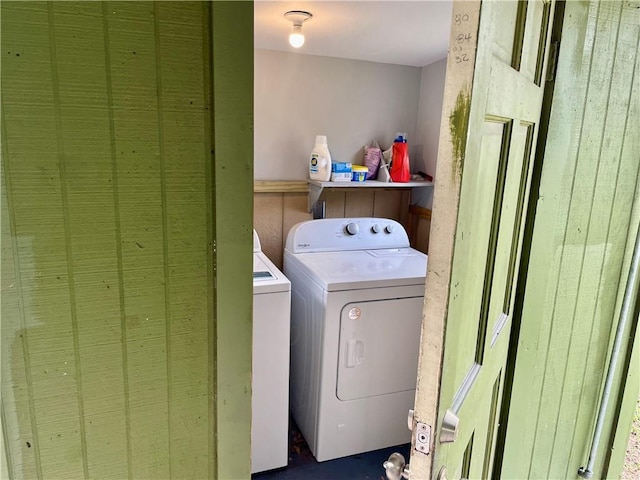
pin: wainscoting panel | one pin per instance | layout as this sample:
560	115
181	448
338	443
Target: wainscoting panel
278	206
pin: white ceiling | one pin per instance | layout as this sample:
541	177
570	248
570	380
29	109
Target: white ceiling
413	33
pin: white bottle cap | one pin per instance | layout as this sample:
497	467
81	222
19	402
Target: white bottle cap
321	139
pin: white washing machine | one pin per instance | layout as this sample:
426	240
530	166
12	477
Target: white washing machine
357	293
270	366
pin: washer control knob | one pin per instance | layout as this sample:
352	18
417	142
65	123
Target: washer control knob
388	228
352	228
375	228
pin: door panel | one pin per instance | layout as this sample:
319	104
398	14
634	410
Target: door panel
378	347
495	170
531	59
506	38
484	184
499	292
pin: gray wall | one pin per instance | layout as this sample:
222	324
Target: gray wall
430	110
352	102
428	127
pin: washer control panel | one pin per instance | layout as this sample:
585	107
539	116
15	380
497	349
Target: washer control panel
339	234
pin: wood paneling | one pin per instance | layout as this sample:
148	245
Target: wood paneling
231	329
359	204
268	221
419	227
586	218
107	241
388	204
335	202
294	211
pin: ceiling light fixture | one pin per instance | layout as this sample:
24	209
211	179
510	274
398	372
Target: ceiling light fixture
298	17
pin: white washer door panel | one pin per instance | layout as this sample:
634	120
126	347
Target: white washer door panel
379	344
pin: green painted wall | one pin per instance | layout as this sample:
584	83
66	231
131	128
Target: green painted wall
587	216
233	206
110	317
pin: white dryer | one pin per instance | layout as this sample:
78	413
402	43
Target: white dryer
356	312
270	366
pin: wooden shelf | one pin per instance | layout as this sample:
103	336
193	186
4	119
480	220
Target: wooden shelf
280	186
316	187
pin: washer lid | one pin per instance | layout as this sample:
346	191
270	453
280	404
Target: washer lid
266	276
335	271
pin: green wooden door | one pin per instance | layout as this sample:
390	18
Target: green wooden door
493	126
126	239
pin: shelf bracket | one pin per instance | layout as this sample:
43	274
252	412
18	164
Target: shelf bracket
319	210
314	195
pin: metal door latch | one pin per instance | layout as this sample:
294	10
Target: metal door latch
422	438
422	435
396	467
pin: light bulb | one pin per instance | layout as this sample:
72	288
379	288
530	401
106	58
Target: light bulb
296	38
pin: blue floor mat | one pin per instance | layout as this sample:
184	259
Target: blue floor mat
303	466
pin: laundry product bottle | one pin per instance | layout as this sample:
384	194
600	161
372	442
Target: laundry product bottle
320	160
400	172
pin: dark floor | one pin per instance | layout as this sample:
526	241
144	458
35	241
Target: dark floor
303	466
